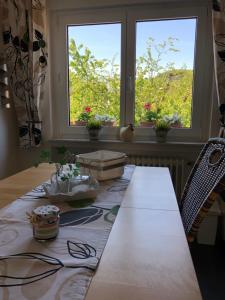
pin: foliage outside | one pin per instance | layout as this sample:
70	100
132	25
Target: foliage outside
95	83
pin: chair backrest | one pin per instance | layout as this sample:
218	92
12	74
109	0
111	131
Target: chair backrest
205	183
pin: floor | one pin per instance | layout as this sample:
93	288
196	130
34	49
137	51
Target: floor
209	262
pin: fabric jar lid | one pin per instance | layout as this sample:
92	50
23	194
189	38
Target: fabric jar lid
46	211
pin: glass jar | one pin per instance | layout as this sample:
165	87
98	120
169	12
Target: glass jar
45	220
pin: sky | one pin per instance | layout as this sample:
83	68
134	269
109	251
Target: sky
104	40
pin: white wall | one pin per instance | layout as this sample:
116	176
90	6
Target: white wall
68	4
12	158
8	138
8	142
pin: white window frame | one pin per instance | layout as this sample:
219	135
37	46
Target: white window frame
128	16
59	72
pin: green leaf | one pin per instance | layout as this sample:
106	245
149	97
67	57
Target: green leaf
61	150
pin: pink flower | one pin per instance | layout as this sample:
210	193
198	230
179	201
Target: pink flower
147	106
87	109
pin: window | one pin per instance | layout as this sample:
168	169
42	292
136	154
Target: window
94	73
164	71
132	65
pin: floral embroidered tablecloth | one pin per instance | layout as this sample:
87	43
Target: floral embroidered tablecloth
62	268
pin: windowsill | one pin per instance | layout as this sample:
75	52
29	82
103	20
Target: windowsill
72	141
176	149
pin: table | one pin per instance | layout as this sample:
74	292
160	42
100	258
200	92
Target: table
147	255
19	184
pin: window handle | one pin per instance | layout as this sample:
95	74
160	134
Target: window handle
130	83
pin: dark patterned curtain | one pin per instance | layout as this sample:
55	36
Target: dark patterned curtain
219	57
23	50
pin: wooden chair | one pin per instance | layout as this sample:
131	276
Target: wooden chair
205	183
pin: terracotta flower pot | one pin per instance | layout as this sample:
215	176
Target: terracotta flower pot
146	124
109	123
176	125
80	123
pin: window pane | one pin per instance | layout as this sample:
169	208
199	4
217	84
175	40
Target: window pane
94	72
164	71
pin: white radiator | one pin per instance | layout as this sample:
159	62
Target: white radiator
175	165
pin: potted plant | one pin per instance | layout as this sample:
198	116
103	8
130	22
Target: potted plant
161	129
106	120
84	117
150	116
94	126
176	121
